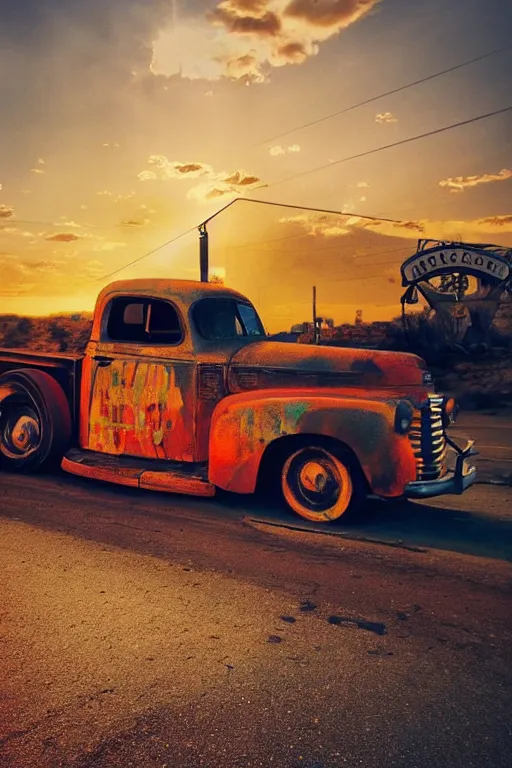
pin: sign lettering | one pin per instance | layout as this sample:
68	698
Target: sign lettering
423	265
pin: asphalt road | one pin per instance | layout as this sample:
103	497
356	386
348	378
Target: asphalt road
492	433
153	631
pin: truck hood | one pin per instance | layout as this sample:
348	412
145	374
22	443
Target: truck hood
270	364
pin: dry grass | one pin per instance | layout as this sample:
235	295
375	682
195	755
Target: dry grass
57	333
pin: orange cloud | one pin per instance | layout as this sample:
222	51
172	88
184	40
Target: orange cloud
166	169
216	184
65	222
205	192
223	186
119	198
63	237
46	266
147	176
135	222
327	225
6	211
15	232
319	224
499	222
330	14
460	183
278	150
293	53
240	179
244	39
386	117
238	18
450	229
414	226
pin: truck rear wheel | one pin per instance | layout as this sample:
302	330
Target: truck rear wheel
321	484
35	422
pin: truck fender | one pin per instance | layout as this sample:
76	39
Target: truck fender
245	425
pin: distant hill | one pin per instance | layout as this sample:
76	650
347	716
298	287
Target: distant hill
56	333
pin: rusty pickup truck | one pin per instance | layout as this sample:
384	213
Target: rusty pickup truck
181	390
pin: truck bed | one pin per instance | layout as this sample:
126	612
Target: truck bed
66	369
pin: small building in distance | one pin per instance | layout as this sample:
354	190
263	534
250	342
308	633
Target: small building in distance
345	335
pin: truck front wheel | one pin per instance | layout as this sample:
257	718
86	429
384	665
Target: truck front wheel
320	484
35	422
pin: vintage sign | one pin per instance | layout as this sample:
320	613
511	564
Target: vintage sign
442	260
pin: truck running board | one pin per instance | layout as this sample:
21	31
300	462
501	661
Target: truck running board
169	476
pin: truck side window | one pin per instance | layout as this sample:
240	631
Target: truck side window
221	318
143	321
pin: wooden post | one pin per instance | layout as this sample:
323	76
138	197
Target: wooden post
316	340
203	253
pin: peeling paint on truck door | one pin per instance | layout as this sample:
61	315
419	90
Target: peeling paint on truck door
138	408
141	400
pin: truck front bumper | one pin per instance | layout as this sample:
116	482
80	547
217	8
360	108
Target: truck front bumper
454	482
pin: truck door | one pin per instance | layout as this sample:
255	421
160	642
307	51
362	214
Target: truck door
142	389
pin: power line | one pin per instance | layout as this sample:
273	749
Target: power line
394	144
146	255
293	207
383	95
245	200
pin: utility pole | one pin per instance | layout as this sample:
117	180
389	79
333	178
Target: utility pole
203	253
316	339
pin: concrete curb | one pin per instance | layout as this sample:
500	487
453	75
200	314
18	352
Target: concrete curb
324	531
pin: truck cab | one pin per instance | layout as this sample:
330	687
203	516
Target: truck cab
180	389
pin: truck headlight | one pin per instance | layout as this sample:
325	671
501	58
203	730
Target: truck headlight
404	415
450	409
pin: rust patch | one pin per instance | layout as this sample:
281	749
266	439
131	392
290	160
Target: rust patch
173	482
270	360
244	425
122	476
138	409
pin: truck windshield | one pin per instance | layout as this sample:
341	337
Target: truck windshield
221	318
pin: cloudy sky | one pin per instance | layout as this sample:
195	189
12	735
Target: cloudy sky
127	122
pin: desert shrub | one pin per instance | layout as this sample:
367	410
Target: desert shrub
60	334
18	334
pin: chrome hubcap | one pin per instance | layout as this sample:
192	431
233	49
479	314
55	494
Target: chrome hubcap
314	477
316	482
21	434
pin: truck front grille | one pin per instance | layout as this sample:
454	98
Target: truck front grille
428	441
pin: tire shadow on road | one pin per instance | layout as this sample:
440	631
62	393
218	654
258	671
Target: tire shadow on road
457	527
475	524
